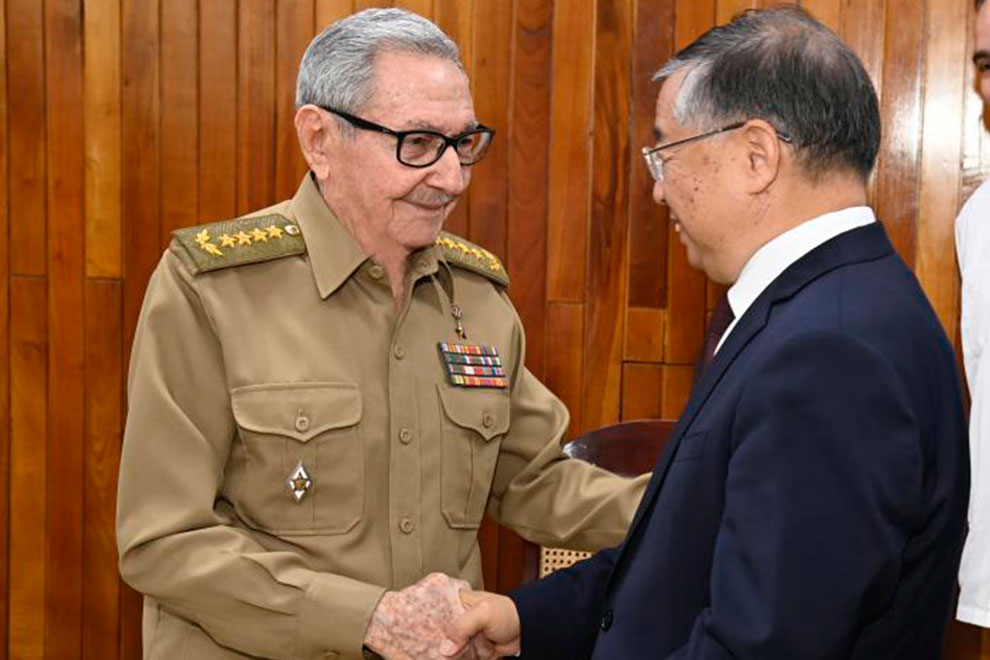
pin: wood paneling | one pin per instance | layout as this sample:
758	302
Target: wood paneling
66	271
133	117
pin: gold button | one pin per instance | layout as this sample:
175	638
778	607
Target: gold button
399	352
405	436
302	423
407	526
376	272
487	419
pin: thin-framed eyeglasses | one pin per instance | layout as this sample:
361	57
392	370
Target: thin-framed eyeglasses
655	163
422	148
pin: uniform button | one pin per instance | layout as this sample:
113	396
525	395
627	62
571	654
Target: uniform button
376	272
302	423
399	352
405	436
422	266
331	655
406	526
607	620
487	419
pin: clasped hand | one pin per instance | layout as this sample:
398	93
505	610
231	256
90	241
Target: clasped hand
440	618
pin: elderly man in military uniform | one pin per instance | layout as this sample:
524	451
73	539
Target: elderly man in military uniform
327	395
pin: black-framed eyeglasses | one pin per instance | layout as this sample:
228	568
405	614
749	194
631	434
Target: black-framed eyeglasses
421	148
652	154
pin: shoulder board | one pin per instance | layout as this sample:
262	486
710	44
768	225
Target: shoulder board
242	241
467	255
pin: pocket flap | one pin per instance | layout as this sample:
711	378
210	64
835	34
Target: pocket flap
483	411
300	411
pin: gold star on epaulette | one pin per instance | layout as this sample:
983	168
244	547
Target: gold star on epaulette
260	235
243	238
467	255
274	232
244	241
227	241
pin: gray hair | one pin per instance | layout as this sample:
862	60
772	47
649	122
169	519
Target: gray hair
783	66
337	70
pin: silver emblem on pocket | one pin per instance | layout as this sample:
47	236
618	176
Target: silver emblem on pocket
299	482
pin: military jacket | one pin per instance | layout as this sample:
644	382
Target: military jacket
295	445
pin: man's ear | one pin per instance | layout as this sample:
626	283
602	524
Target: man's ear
315	134
763	155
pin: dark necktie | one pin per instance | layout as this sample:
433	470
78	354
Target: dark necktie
722	317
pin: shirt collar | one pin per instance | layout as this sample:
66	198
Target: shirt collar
334	254
779	253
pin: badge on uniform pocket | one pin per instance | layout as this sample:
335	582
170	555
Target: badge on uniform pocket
299	482
473	365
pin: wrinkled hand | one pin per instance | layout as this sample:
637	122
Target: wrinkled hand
409	624
490	616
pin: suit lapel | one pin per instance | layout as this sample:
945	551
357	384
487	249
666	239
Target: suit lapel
858	245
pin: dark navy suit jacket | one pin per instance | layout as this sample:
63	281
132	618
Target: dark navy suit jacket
811	503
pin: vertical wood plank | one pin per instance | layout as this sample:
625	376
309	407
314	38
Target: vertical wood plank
570	150
28	463
456	18
256	104
565	364
25	60
103	429
5	403
527	141
422	7
901	112
644	334
607	255
725	10
944	112
653	45
180	117
686	287
492	74
860	27
294	30
131	608
828	12
642	389
218	116
101	109
66	271
368	4
142	141
331	11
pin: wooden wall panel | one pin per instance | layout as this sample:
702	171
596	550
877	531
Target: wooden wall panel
218	64
25	60
102	138
28	467
5	407
123	121
255	104
179	116
66	270
102	431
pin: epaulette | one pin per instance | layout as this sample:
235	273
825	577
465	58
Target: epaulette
467	255
240	241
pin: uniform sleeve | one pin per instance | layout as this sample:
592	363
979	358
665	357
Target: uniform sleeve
542	494
177	542
827	466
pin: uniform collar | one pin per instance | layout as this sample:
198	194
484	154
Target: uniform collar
334	254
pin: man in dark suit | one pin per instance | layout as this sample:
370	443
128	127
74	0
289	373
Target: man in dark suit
812	500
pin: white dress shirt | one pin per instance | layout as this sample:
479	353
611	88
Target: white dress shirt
778	254
973	252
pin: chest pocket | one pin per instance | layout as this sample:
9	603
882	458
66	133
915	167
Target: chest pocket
472	421
284	425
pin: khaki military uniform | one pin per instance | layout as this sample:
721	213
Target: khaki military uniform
294	444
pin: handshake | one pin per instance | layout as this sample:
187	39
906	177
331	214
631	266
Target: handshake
439	618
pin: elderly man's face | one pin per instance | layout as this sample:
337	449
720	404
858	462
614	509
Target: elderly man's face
395	203
982	51
696	187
